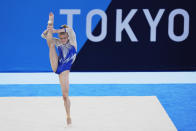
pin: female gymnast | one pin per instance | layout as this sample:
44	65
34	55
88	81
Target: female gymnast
61	64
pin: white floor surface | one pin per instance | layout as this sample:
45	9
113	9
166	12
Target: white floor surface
118	113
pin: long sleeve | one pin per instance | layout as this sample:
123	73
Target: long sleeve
44	34
55	40
72	37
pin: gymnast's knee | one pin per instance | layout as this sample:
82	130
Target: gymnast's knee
65	95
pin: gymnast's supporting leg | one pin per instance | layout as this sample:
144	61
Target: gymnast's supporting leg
64	81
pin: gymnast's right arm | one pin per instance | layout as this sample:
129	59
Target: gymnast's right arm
44	34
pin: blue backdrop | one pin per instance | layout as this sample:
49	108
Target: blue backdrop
22	22
23	50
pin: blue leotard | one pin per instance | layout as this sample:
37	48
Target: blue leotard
67	55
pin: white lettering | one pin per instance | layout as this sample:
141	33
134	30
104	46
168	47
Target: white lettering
121	25
69	14
103	25
171	25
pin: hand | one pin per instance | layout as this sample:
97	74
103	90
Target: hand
54	31
50	28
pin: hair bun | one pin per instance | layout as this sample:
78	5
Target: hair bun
63	26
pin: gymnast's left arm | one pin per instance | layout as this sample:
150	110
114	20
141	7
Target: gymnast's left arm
72	37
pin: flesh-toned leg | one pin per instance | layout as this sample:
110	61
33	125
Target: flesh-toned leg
64	81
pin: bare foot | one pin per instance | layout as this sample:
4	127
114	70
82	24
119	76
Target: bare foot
68	121
51	19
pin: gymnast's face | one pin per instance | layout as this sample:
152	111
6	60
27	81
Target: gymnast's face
63	38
